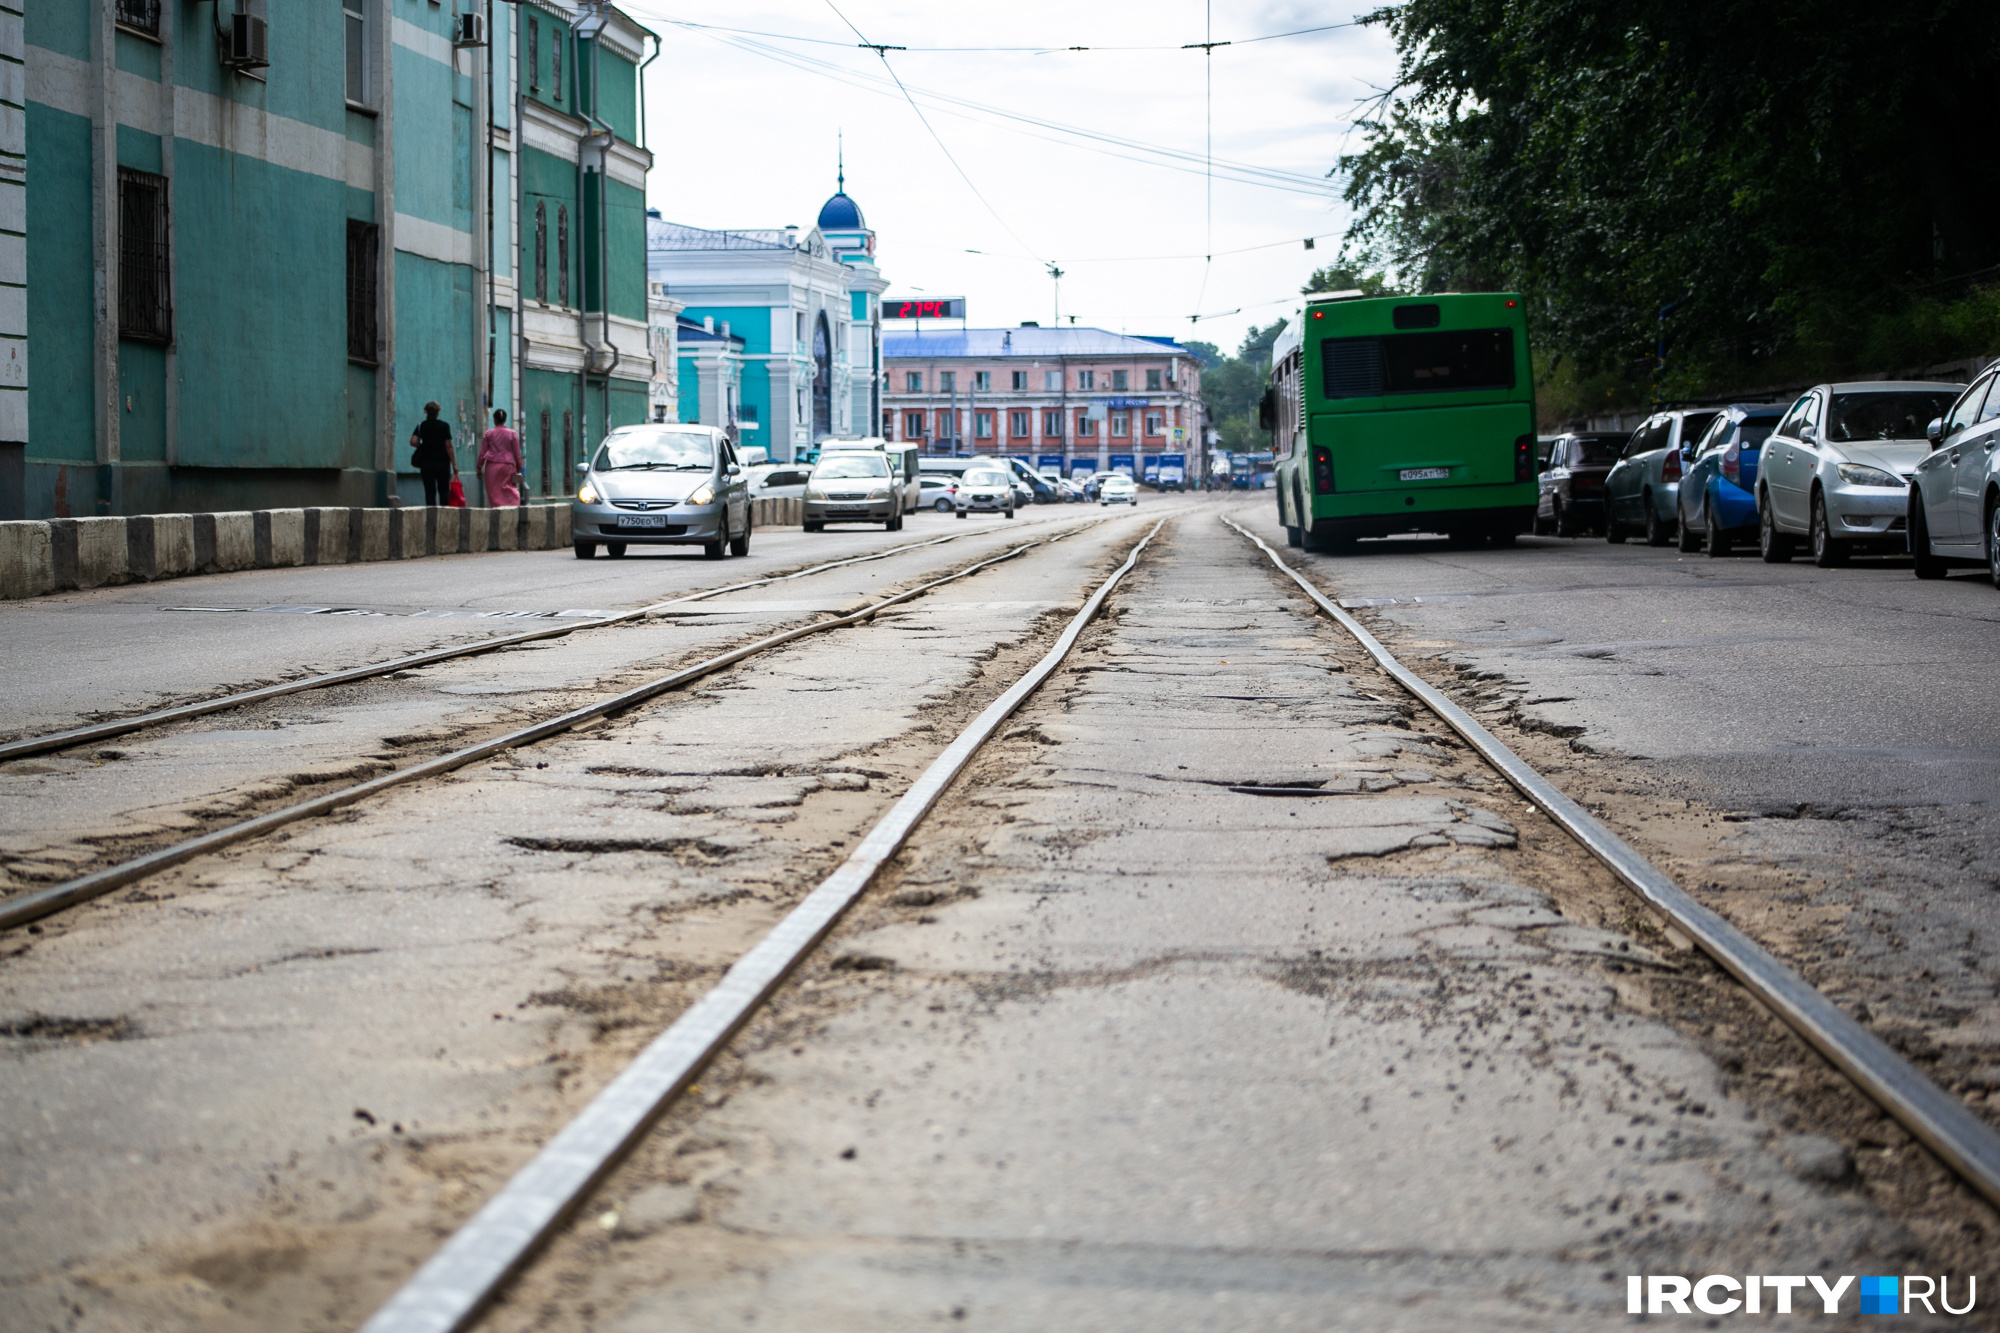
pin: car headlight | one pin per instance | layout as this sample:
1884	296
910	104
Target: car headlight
706	495
879	493
815	493
587	493
1854	474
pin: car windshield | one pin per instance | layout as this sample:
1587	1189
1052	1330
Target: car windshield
1901	415
1750	432
674	449
1118	481
985	477
1596	450
851	465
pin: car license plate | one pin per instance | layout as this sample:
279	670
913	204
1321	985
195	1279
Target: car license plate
642	520
1423	474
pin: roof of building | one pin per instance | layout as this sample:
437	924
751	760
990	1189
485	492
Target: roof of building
1070	341
841	213
694	331
664	235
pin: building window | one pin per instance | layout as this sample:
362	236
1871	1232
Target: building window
1086	429
947	381
357	49
1153	381
555	61
545	451
1052	381
1017	423
1086	379
982	425
947	425
1052	425
913	381
1156	423
569	457
982	381
364	241
913	425
145	295
1021	379
542	251
1121	422
534	56
562	254
140	16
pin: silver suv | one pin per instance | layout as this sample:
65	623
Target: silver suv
662	485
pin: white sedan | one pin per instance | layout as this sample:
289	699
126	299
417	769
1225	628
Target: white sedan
1117	489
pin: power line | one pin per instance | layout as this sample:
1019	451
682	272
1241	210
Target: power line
882	52
1047	49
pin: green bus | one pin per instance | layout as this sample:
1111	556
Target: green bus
1396	414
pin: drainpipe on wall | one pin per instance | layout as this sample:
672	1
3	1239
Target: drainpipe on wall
104	251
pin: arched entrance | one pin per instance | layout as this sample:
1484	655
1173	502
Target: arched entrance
822	380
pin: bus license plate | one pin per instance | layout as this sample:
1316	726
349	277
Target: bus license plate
1424	474
642	520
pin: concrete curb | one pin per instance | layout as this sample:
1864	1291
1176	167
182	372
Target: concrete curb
59	555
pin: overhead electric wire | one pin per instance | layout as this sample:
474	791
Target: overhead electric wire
1155	155
883	54
991	50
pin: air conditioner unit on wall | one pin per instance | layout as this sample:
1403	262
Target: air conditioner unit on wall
248	43
468	30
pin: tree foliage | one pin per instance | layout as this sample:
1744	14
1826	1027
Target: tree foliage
1741	179
1232	387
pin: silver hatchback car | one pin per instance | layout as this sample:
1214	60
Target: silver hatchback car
1642	490
662	485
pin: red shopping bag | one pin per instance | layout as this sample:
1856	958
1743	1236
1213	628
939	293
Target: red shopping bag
456	500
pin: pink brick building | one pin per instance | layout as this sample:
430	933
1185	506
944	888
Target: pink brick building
1080	399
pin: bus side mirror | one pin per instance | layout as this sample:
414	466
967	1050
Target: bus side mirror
1267	410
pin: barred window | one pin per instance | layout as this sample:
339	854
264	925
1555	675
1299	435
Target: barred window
569	453
545	451
534	56
562	255
364	240
542	252
145	294
555	61
140	16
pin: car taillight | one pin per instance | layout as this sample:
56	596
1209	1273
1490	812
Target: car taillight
1670	467
1524	458
1322	470
1732	464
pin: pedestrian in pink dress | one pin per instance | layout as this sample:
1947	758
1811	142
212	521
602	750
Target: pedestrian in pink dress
500	463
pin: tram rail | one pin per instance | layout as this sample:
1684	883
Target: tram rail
1962	1141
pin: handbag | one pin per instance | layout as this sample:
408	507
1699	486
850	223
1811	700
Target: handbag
456	499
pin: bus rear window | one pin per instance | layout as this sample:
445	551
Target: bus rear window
1453	362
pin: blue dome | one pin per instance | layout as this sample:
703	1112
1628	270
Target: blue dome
841	214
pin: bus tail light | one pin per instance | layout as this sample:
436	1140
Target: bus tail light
1670	466
1524	458
1322	470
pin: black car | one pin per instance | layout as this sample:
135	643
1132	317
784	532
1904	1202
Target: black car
1572	484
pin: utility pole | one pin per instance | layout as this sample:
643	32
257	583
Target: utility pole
1056	275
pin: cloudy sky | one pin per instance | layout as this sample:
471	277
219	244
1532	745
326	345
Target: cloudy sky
743	128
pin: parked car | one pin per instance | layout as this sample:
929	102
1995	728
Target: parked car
1718	493
779	481
987	489
1954	514
853	486
661	485
1572	484
1836	471
1641	492
1118	489
937	491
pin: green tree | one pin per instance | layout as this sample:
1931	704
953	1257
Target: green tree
1340	278
1233	387
1748	184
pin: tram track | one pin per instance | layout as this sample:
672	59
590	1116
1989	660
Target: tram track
1965	1144
36	904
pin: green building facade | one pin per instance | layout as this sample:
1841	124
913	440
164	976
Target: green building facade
255	240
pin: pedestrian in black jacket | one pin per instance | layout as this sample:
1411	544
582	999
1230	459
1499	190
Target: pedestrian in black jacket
430	450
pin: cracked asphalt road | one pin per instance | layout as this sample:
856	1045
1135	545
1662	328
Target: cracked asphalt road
1225	991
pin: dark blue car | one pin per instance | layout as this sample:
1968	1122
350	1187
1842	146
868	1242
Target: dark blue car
1718	495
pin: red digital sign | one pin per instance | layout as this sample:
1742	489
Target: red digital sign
944	307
